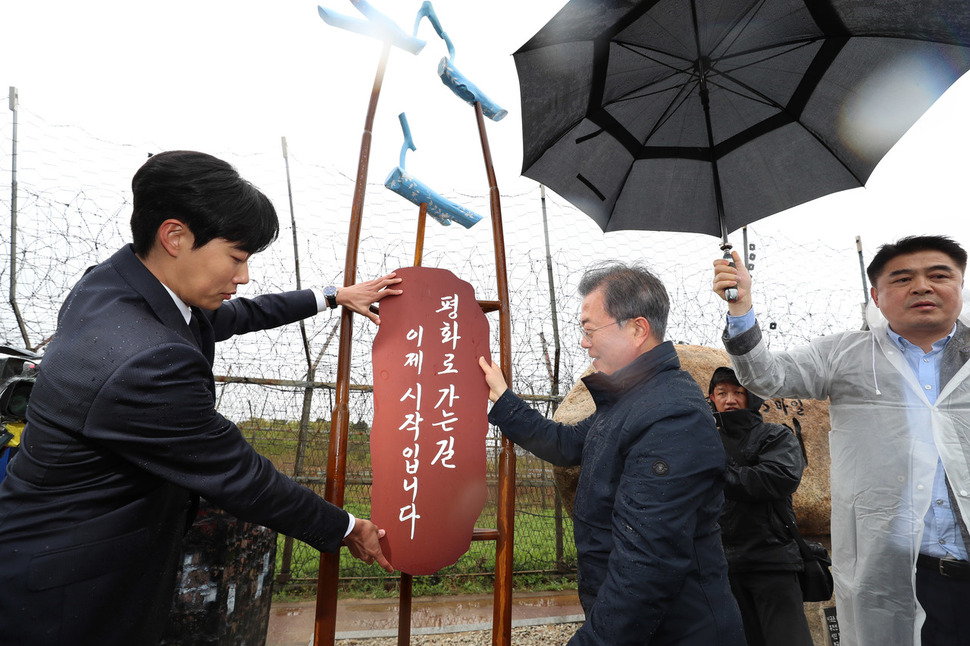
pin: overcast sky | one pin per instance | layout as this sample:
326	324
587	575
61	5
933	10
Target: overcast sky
216	75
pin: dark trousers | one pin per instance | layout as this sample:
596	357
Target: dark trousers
771	608
946	602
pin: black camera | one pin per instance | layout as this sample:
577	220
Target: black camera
18	371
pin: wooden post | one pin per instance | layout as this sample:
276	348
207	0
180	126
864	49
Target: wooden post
404	611
326	610
502	613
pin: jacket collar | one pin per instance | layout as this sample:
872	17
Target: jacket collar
644	368
736	421
134	272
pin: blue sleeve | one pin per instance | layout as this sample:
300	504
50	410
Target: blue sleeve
740	324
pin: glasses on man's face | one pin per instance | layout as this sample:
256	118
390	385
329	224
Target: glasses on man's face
588	334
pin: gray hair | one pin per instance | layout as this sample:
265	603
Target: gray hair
629	291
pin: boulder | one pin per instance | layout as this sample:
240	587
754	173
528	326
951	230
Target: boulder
811	417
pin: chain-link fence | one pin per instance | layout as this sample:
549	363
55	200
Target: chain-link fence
73	204
543	533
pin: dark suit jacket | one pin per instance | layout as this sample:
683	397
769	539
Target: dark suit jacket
122	435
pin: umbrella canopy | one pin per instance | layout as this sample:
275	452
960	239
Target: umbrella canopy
706	115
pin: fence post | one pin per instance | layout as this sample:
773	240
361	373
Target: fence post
554	372
13	220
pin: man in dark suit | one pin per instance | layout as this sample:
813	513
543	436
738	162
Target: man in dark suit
122	433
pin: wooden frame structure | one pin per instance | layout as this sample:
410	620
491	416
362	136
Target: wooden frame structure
503	533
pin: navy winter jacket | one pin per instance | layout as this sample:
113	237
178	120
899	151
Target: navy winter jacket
651	565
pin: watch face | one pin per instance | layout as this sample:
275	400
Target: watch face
330	291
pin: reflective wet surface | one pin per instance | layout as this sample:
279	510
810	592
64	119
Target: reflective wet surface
291	624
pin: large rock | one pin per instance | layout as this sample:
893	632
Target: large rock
812	500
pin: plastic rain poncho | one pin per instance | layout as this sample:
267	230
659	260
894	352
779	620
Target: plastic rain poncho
884	444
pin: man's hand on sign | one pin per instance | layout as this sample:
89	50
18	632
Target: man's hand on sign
494	379
363	543
359	297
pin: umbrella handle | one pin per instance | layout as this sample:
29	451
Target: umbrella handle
731	293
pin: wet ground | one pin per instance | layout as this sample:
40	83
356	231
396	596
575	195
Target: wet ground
291	624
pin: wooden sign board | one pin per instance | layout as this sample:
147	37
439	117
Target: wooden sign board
430	420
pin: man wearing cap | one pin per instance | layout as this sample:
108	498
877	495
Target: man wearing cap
764	469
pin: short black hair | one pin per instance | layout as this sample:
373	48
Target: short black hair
723	375
204	193
914	244
630	291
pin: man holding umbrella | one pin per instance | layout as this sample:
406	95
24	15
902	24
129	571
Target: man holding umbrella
900	440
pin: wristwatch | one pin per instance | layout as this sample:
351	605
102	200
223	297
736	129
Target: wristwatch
330	293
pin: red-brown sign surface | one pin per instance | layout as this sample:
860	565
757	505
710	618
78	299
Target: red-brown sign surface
430	420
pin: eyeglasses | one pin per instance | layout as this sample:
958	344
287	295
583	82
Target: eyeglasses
588	334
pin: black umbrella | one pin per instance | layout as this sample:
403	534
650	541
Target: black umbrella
706	115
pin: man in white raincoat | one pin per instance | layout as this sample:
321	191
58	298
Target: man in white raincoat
900	440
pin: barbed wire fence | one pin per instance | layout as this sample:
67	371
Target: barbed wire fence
73	205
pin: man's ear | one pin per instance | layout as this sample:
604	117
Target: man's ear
643	330
174	236
875	295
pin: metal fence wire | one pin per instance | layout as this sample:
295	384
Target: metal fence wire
72	210
543	533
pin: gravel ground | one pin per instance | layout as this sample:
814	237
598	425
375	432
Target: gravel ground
548	635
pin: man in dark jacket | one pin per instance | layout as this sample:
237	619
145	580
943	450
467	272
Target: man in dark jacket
651	566
122	432
764	469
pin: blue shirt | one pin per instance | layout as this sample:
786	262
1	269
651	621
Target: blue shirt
941	533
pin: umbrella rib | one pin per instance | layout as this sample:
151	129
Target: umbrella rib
642	50
602	118
789	47
715	73
638	92
608	123
747	15
754	93
791	113
682	95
